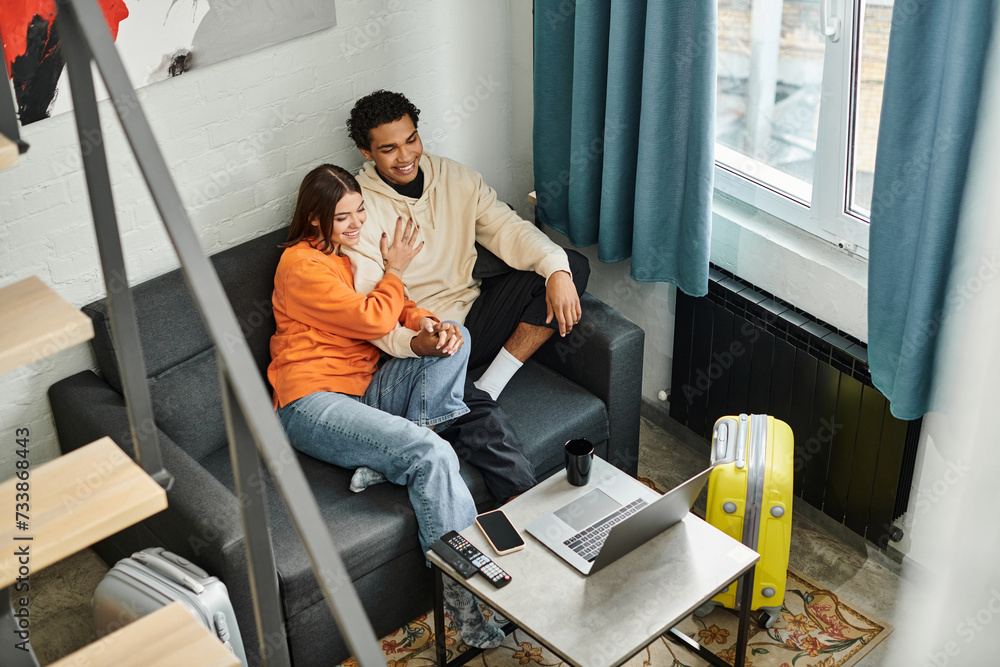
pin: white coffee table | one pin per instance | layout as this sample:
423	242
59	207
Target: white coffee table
606	618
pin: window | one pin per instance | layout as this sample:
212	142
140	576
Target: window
799	97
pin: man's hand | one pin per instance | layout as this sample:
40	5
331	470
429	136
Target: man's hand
562	301
436	339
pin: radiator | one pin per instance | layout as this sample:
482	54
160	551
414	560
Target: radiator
740	349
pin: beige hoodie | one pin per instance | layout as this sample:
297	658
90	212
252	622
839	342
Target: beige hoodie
456	209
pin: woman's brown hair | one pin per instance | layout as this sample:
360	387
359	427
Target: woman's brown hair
319	193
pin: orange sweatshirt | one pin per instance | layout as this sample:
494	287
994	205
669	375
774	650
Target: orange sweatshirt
323	325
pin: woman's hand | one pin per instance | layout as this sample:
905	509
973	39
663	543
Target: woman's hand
397	256
437	339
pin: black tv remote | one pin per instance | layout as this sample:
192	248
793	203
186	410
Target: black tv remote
457	561
486	567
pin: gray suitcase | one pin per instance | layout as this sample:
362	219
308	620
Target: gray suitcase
153	578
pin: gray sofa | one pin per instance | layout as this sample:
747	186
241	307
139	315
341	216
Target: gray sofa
586	385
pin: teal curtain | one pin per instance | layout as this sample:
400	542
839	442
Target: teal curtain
624	131
933	81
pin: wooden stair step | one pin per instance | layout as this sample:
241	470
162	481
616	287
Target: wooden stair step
37	322
72	502
168	637
8	153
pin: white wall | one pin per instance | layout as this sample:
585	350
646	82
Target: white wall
238	137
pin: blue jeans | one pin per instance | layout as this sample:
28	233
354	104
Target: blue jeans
385	430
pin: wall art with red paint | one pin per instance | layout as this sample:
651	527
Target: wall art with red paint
156	39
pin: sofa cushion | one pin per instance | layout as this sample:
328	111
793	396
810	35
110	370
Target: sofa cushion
170	327
250	291
187	404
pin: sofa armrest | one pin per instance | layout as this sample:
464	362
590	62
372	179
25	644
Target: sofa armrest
603	354
202	520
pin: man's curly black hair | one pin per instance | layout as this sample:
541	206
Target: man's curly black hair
376	109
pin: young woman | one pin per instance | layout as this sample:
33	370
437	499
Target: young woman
333	400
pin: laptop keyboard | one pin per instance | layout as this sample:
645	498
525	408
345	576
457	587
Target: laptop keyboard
587	543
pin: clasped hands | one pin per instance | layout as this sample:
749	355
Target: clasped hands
436	339
433	339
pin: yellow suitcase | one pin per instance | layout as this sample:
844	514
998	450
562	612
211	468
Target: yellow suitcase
750	499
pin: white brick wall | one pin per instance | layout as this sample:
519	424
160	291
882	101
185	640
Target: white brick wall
238	136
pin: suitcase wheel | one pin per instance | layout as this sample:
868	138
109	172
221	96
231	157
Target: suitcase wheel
705	609
766	619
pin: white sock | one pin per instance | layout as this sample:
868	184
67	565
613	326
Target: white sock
498	374
365	477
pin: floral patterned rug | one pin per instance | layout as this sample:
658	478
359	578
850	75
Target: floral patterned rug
815	629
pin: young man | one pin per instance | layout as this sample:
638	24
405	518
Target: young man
509	315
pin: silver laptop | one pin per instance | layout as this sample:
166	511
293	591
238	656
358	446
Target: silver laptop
614	518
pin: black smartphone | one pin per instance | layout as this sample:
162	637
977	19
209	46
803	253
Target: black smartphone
499	532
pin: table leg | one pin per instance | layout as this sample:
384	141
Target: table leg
681	639
439	629
743	630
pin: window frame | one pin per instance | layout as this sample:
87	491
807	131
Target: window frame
828	216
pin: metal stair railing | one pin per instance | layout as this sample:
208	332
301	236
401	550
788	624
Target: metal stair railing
252	426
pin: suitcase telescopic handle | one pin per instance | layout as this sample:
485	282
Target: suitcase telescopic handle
169	570
743	435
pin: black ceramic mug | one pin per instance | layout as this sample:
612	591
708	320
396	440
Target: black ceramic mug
579	458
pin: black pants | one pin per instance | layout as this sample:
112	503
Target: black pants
507	300
485	437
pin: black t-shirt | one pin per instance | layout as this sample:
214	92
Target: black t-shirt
413	189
